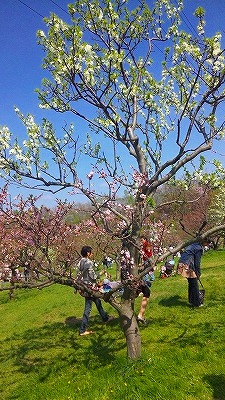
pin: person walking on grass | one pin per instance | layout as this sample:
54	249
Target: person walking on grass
88	276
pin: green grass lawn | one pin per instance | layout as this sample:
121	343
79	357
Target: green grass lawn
183	349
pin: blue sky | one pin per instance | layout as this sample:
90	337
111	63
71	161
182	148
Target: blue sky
21	57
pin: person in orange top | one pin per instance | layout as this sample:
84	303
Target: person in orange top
147	251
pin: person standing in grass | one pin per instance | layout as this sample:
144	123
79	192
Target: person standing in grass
147	253
88	276
191	257
145	283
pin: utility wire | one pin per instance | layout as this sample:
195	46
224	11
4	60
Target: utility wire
59	7
36	12
189	24
32	9
191	27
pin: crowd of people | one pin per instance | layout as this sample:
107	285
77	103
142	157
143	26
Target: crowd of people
188	266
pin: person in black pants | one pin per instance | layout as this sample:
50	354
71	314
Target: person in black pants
191	256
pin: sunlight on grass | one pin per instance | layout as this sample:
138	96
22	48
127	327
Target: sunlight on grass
43	357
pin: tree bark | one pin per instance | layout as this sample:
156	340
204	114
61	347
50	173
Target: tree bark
130	328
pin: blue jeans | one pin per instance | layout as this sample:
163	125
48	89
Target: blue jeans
87	310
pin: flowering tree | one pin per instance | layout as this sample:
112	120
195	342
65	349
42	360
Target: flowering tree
35	242
149	115
216	213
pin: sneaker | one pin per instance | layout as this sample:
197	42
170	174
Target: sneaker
86	333
200	305
142	320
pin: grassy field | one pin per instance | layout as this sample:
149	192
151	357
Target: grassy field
183	349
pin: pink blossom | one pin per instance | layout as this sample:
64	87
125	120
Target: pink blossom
102	174
90	175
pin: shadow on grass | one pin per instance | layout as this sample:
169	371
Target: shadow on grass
47	349
217	383
184	333
173	301
102	343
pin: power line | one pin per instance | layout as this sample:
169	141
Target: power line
32	9
59	7
36	12
191	27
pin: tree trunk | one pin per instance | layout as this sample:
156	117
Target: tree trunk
130	328
12	289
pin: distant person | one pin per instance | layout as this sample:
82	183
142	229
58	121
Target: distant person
107	262
26	273
104	262
88	276
189	261
167	268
